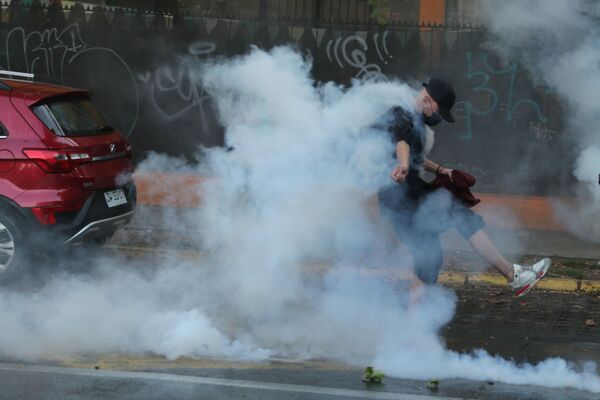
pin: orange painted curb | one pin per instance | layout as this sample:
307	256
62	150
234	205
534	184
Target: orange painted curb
529	212
175	190
503	211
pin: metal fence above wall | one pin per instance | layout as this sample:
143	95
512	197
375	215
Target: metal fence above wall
362	14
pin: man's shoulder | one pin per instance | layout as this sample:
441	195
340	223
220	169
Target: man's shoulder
398	120
402	115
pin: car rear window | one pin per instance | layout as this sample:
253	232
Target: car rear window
72	116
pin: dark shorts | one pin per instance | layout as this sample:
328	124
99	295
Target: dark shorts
418	216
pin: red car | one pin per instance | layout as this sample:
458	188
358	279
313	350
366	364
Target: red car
65	174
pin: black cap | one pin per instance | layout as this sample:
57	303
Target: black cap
443	94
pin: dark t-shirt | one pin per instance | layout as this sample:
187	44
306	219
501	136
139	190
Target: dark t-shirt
409	127
405	199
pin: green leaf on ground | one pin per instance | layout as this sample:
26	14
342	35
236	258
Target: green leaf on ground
373	375
433	384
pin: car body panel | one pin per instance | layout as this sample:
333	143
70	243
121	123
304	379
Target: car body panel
26	184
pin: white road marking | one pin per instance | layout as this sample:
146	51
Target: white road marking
235	383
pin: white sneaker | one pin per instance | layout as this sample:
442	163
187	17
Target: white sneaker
541	268
526	277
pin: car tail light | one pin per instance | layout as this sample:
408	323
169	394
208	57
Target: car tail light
57	161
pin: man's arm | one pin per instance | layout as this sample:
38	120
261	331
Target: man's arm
431	166
402	153
436	168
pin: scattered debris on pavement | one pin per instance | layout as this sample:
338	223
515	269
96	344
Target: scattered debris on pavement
495	300
372	375
433	384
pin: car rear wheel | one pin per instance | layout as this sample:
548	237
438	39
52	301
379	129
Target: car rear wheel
13	253
7	248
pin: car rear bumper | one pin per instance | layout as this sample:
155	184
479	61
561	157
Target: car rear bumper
98	228
95	218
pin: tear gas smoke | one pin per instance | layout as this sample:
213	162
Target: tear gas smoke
292	190
557	41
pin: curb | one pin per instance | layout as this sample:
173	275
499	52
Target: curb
158	251
552	284
446	278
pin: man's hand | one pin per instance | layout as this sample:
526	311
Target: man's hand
400	172
445	171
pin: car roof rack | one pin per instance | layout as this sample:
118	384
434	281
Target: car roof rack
17	74
27	77
14	75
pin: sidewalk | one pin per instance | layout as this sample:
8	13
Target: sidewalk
517	224
522	227
576	263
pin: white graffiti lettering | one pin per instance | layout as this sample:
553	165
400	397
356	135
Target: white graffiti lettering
352	52
50	53
45	51
182	80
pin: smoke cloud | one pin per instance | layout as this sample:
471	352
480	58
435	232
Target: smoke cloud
557	41
291	190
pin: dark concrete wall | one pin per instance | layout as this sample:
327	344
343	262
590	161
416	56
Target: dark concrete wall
508	133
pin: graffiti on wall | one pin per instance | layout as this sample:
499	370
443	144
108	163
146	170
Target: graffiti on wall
488	98
352	52
499	107
46	52
60	54
177	89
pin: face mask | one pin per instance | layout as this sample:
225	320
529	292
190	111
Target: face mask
432	120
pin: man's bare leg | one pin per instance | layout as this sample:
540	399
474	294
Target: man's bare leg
417	287
521	278
482	244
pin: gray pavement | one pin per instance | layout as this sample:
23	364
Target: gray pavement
531	329
23	382
544	324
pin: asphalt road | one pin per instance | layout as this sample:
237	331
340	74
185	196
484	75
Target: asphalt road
486	318
18	381
544	324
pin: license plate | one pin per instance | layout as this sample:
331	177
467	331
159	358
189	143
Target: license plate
115	198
